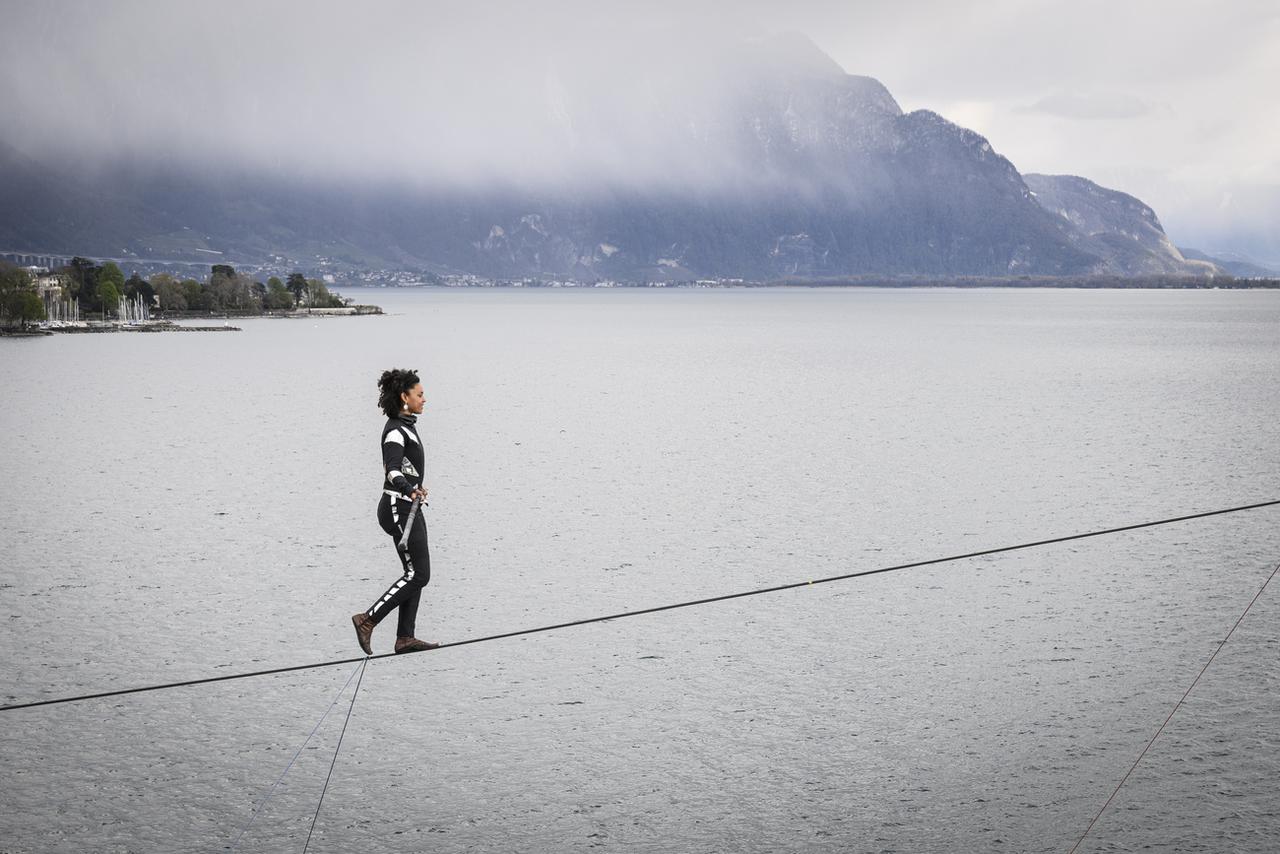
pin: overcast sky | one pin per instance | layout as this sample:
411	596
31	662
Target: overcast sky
1174	102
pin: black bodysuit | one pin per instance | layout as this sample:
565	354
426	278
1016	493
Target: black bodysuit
403	463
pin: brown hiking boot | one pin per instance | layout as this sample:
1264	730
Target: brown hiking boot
413	645
364	631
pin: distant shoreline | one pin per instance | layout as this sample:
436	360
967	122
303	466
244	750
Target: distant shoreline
98	327
166	323
1076	282
1005	282
344	311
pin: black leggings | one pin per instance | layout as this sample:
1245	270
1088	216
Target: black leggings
393	513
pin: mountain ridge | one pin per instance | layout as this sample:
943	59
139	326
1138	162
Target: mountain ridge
812	173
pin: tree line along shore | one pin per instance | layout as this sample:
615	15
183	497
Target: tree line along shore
83	291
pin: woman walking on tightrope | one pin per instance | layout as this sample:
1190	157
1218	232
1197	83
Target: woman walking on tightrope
401	398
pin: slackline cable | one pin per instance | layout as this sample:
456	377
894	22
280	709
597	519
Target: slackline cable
1176	706
689	604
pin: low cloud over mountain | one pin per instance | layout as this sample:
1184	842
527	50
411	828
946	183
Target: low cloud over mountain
758	159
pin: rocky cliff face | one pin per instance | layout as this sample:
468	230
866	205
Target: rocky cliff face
1123	232
786	167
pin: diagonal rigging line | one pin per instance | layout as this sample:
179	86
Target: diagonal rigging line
262	805
654	610
334	761
1174	711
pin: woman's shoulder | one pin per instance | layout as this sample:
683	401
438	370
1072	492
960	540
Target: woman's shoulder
398	425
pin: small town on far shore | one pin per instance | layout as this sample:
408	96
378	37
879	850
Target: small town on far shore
332	272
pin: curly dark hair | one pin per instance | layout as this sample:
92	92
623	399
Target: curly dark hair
391	385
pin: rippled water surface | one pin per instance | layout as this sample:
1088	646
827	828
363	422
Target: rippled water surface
181	506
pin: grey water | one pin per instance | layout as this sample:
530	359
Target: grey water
183	506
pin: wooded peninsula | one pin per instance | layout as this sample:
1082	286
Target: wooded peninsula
84	292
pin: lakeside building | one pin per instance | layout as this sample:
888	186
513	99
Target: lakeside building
49	285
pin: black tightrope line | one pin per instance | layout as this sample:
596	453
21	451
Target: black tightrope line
1176	706
654	610
341	735
261	807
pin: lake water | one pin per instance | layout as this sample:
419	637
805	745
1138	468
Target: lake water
180	506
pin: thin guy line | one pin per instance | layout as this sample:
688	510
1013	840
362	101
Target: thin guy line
261	807
1176	706
341	735
708	600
